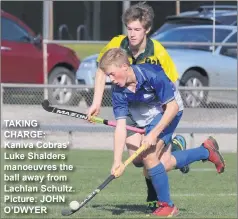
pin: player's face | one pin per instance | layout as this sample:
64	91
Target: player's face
117	75
136	32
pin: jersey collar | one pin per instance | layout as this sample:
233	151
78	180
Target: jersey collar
148	49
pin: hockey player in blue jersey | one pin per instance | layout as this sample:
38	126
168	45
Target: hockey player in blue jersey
145	93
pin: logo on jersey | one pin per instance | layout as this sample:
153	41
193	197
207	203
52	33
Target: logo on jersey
152	60
147	96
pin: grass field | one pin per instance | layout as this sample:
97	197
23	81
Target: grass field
200	194
84	50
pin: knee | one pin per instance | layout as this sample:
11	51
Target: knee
150	160
166	158
167	161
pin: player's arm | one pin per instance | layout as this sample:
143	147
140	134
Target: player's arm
120	109
99	87
119	140
169	114
100	80
165	91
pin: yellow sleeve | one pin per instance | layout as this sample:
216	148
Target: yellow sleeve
114	43
165	61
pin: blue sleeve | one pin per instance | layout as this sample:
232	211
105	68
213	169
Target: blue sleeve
163	86
120	105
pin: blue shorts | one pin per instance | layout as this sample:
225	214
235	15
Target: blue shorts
166	135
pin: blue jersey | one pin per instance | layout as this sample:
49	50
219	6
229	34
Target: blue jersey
153	90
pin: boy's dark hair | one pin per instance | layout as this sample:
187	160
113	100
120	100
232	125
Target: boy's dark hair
142	12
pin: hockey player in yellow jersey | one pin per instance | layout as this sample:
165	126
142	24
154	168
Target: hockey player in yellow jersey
153	53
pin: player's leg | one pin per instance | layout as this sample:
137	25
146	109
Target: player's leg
151	200
167	159
179	144
133	141
209	150
164	155
158	173
159	177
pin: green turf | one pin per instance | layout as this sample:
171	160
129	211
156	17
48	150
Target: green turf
84	50
199	194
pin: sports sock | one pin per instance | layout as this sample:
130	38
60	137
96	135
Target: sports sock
160	182
152	196
190	155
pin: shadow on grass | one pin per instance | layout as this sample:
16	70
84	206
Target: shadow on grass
127	208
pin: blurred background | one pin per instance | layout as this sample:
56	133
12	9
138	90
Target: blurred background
49	50
95	15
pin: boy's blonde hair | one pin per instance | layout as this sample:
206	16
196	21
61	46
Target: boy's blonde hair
115	56
142	12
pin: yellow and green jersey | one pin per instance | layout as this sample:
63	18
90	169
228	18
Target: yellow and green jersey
154	53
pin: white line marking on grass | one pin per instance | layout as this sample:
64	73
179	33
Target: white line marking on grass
191	169
175	195
201	194
203	169
180	195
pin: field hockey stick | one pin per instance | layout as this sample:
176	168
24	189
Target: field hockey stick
67	212
46	105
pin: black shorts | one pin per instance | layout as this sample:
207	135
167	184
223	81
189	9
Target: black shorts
131	122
